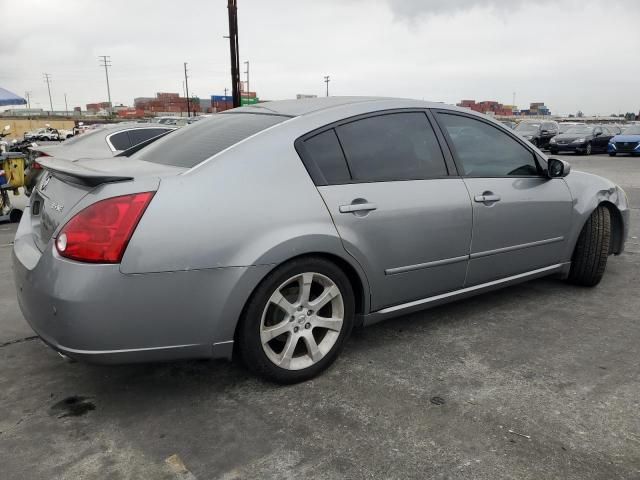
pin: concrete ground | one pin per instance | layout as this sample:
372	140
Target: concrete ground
537	381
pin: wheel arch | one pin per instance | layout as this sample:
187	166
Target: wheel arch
617	227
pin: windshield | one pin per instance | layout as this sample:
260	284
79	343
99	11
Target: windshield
580	130
528	127
632	130
195	143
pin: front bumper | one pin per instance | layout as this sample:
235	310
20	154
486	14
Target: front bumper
611	148
98	314
568	147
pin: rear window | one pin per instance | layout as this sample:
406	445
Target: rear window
195	143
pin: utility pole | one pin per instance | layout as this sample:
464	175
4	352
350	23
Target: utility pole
232	6
225	92
186	87
327	80
47	78
28	95
66	108
106	63
247	73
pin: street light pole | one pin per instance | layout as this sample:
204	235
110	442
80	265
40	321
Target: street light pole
66	108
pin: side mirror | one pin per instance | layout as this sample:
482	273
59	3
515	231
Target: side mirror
557	168
598	134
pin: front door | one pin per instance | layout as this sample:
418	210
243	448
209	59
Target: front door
398	212
521	218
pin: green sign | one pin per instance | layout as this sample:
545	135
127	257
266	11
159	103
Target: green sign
249	101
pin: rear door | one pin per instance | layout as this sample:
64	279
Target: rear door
521	218
387	186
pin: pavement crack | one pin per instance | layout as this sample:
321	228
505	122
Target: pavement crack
18	340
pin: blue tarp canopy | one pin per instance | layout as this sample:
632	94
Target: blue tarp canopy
8	98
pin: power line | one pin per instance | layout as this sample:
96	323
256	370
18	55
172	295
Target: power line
47	78
186	86
105	61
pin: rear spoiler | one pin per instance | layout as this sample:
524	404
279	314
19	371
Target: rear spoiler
75	173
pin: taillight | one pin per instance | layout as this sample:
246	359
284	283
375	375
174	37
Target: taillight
36	166
101	232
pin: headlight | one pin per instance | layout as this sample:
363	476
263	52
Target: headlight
579	140
528	137
553	140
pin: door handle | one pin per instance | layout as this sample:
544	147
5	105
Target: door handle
487	197
358	207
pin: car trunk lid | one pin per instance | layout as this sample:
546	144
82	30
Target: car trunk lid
66	183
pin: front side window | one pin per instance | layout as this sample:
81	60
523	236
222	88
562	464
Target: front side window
394	146
486	151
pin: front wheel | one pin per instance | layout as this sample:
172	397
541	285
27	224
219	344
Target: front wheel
296	322
588	149
589	258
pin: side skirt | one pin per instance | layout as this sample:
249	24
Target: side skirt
405	308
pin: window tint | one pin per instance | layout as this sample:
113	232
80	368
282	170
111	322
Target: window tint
120	140
397	146
486	151
142	134
324	149
195	143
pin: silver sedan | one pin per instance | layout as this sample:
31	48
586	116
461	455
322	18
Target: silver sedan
297	221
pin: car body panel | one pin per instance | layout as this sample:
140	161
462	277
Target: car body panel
523	231
430	254
189	270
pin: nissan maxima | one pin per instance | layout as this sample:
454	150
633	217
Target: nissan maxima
299	220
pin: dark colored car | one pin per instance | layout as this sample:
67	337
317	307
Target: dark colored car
627	142
582	139
538	132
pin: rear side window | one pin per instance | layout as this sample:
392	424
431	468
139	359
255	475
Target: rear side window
324	149
395	146
120	140
195	143
487	151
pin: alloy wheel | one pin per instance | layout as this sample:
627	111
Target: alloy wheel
301	321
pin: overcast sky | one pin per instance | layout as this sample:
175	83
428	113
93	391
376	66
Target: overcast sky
571	54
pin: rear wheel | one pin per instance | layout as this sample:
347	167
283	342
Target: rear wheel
296	322
612	154
590	255
588	149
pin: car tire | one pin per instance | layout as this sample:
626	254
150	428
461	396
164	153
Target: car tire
612	154
553	151
590	255
588	149
282	335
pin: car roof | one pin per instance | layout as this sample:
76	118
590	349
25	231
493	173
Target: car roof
305	106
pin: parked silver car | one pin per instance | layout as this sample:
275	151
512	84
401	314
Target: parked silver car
297	221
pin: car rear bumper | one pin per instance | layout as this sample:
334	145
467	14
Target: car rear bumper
98	314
